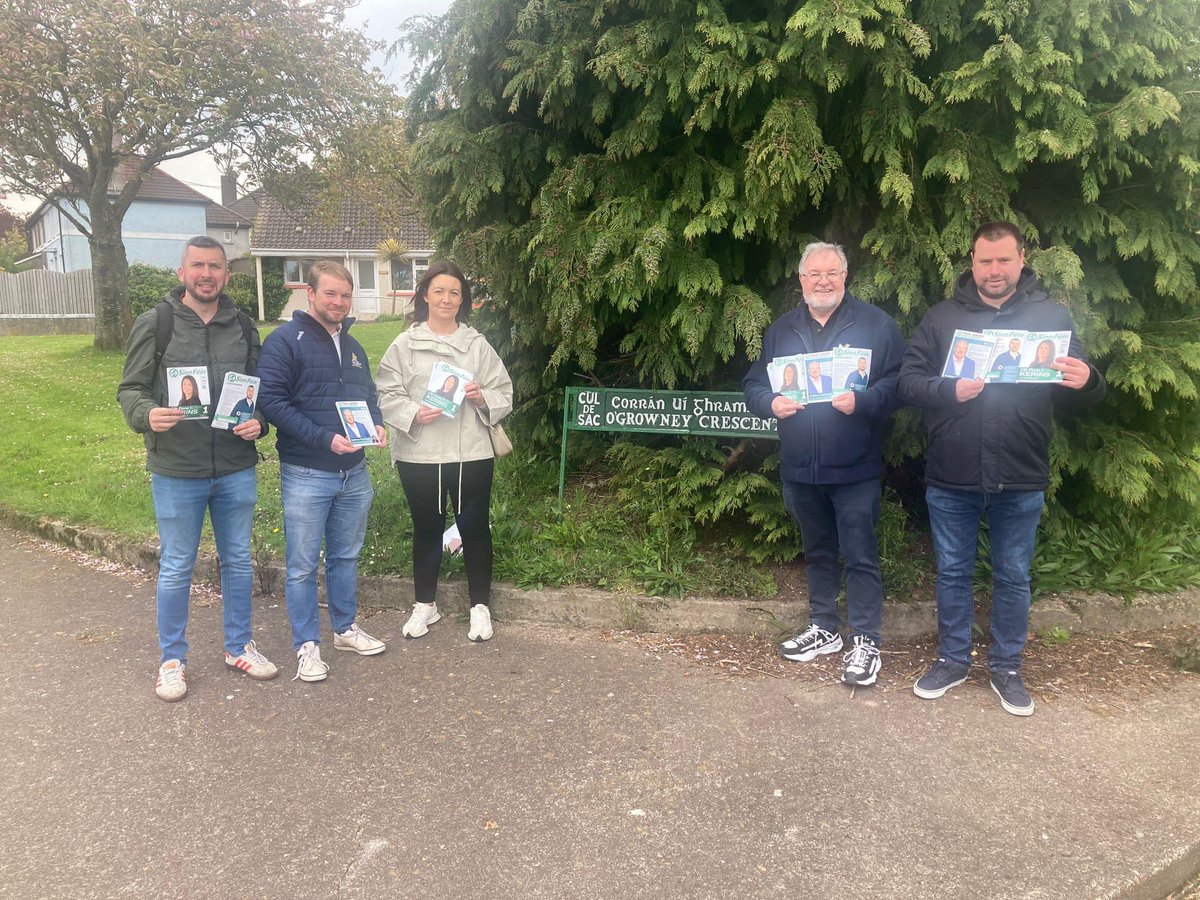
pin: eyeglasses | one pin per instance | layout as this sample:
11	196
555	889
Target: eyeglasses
817	276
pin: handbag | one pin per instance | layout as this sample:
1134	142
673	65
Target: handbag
501	445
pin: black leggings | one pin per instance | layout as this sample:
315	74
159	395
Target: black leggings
420	481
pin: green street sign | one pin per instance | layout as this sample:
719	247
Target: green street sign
705	413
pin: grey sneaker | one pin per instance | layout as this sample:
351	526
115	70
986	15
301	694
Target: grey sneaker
809	644
942	676
862	662
1011	691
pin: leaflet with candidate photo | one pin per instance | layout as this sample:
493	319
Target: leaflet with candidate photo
239	397
1041	349
817	377
784	373
969	355
187	389
447	386
851	368
357	423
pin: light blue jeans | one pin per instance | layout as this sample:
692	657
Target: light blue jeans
954	519
323	505
179	507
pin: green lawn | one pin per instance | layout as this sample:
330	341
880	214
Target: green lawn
71	457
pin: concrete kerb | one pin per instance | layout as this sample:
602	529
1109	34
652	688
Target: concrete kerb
591	608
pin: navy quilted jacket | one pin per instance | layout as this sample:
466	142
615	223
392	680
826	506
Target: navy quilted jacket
302	381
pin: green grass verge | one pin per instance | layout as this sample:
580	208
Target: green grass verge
71	457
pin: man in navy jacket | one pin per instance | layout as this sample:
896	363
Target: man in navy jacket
307	366
988	456
831	457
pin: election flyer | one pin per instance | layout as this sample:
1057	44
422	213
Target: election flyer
187	389
239	397
447	386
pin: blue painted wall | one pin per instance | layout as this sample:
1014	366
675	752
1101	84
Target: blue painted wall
154	233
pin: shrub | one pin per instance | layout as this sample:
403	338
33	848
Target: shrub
148	285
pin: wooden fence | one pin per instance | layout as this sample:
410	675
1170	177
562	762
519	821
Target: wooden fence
47	303
47	295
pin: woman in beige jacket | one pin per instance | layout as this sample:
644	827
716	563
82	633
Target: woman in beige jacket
438	455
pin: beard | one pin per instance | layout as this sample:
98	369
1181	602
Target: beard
825	304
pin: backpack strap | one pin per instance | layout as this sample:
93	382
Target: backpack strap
164	327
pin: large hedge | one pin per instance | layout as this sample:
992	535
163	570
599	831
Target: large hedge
632	179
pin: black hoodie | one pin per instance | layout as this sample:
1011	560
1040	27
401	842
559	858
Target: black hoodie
1000	440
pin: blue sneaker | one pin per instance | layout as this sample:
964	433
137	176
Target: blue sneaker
1011	691
942	676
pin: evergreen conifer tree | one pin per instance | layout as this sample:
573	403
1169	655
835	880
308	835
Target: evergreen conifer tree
632	181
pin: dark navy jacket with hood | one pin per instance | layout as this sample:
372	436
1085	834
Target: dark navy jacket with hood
819	444
1000	440
302	381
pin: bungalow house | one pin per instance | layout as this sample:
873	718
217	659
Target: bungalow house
160	220
352	234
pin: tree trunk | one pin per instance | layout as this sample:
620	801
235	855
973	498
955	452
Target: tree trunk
110	278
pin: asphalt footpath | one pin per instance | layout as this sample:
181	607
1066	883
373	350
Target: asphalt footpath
548	762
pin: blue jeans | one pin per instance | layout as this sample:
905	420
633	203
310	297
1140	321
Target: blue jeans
833	519
179	507
954	518
333	506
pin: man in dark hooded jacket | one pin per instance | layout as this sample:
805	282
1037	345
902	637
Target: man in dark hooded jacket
988	454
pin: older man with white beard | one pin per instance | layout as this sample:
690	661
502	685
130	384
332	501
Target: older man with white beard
831	458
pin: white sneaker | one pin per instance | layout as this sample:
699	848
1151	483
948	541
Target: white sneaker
171	684
252	663
423	615
354	638
310	665
481	623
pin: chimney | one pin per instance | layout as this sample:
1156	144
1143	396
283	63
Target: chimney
228	189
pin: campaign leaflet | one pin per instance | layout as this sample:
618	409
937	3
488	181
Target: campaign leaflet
239	397
784	373
818	377
1005	365
851	368
357	422
187	389
1007	356
447	386
1041	349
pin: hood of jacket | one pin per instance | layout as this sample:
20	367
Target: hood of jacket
422	337
1029	290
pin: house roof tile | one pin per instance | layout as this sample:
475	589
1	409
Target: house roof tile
351	226
218	216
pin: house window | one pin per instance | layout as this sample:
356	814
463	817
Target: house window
407	272
228	237
39	233
295	271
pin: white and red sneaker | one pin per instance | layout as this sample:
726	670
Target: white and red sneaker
252	663
171	684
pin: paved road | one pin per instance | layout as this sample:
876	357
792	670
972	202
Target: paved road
546	763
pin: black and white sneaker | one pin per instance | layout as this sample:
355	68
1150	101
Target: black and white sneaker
810	644
862	662
1011	691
